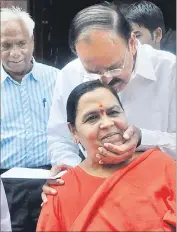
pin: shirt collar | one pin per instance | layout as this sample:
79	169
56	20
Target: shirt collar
4	75
34	72
143	64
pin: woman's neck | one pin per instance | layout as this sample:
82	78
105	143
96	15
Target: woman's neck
93	168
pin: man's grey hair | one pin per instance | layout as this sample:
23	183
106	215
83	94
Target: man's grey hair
16	13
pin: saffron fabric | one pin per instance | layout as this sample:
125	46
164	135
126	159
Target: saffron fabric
137	197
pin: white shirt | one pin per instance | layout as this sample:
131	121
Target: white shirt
149	101
5	215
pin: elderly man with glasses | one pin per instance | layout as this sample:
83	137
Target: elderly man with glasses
144	78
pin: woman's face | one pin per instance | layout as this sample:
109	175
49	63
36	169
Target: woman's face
99	119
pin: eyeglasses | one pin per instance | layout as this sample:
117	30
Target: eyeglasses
109	75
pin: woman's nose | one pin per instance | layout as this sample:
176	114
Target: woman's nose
106	123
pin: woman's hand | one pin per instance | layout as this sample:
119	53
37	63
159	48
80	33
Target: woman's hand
114	154
47	190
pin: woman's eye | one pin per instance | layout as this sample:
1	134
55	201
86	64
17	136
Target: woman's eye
113	113
92	118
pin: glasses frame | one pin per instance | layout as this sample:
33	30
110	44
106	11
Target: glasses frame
108	74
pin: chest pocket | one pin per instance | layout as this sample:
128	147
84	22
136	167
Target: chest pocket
46	111
41	111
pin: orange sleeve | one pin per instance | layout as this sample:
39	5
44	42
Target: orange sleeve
49	219
170	216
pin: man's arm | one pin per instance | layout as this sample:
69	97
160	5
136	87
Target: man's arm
166	141
61	147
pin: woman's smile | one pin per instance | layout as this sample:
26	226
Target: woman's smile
111	137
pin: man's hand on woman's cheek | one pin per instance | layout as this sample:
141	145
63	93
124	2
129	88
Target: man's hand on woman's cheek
112	154
47	190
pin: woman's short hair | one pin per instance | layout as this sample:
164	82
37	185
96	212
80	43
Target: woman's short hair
78	92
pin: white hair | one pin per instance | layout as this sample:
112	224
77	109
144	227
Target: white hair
16	13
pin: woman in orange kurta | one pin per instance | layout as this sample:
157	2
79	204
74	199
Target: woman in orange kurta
138	195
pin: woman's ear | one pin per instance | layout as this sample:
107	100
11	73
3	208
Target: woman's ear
73	133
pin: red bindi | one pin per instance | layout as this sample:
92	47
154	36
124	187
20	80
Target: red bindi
100	105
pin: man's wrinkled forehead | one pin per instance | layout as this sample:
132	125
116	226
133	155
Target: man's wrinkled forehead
102	37
104	50
13	28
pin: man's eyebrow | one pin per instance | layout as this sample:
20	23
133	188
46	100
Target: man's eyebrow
92	71
114	66
137	32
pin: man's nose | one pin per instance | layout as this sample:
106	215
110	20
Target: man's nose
15	51
106	122
106	78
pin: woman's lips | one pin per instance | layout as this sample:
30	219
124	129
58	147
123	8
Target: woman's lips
111	138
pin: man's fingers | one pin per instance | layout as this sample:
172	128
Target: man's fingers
128	145
116	160
121	125
44	198
55	182
119	149
112	154
48	190
129	132
56	169
107	157
101	151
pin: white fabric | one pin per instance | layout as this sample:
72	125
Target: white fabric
5	215
149	101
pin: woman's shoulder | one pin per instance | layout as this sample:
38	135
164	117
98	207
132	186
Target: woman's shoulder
156	154
157	159
71	178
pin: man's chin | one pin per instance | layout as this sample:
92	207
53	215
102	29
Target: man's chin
15	70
